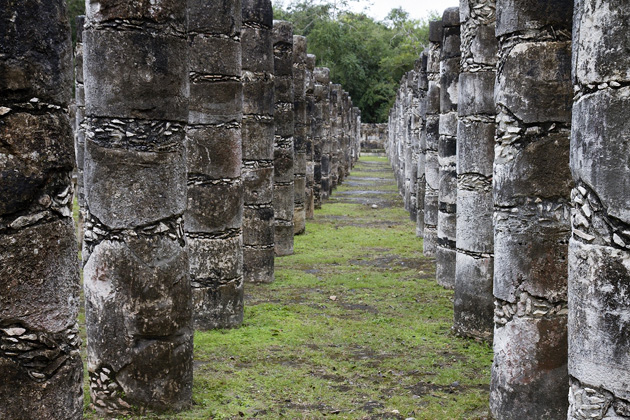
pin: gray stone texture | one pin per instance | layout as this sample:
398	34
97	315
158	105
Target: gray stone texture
432	129
284	119
599	248
309	197
136	272
420	186
40	362
213	219
258	141
321	92
474	302
531	184
373	136
79	122
299	138
445	254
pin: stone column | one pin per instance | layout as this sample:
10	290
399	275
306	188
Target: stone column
284	118
531	184
356	134
474	302
326	142
137	287
40	364
335	130
321	92
445	255
310	128
431	167
599	250
347	136
414	140
214	215
423	85
79	122
257	141
299	139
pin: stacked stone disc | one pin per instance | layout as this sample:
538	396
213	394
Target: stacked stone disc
431	166
346	135
310	130
599	249
257	141
300	136
326	137
445	255
423	85
284	118
414	140
40	363
321	90
79	129
213	219
335	130
532	185
137	288
474	302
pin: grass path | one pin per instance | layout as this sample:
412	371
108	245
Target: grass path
354	327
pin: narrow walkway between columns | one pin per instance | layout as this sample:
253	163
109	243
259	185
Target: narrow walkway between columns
354	327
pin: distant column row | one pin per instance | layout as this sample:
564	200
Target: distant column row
199	132
524	195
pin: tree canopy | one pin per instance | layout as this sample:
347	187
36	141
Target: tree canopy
367	57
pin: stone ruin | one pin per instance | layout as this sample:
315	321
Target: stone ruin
373	136
183	194
508	141
537	191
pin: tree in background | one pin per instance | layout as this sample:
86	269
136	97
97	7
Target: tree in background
367	57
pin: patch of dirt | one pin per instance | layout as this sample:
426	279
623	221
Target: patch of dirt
359	307
394	262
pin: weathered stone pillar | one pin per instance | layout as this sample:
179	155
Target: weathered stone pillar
356	134
474	302
213	221
137	288
321	92
445	255
79	124
431	167
40	363
310	129
299	139
423	85
326	142
346	132
414	140
531	184
599	255
258	141
284	118
335	130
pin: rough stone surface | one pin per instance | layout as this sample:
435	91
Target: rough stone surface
432	129
213	220
284	153
136	273
473	303
40	362
310	129
258	141
599	249
321	92
532	186
299	138
445	254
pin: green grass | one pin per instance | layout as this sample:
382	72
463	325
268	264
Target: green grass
354	327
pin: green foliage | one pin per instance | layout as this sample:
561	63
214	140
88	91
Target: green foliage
75	8
367	57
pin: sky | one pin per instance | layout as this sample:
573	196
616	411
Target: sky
417	9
